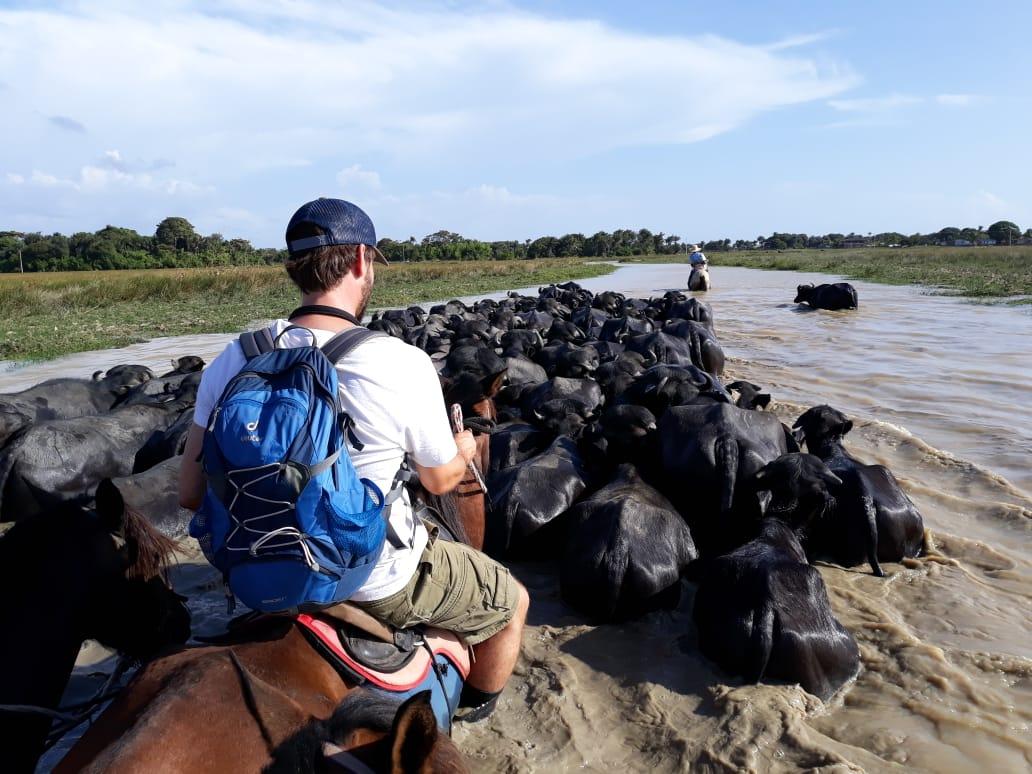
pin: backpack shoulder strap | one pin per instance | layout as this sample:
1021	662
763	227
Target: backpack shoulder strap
346	341
255	343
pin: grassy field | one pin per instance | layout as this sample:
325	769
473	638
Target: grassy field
46	315
983	272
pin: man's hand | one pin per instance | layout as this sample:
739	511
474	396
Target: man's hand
467	445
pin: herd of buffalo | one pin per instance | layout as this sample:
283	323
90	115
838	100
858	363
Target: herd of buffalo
614	450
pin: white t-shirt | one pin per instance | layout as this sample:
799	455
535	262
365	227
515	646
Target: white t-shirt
391	391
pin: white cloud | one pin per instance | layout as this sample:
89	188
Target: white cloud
14	178
355	179
875	104
958	100
223	88
797	41
95	179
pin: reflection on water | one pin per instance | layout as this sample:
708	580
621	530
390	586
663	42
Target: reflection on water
939	389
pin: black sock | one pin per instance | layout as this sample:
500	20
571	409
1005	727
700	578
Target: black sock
474	697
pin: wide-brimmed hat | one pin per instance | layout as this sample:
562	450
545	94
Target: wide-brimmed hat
694	248
341	222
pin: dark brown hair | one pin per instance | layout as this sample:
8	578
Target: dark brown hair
321	268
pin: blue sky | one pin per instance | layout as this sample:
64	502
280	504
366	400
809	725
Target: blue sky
509	120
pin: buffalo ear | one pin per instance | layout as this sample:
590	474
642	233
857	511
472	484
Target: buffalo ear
798	433
492	384
763	399
110	506
98	375
830	478
846	426
414	734
734	386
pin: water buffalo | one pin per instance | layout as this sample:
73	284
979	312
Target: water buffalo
188	364
68	398
699	279
762	611
707	453
529	496
615	376
840	295
154	494
660	387
691	309
61	460
625	552
569	360
749	395
514	442
586	391
873	518
704	349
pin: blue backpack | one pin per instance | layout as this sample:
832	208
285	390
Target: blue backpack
286	519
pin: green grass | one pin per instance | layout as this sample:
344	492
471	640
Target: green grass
47	315
980	272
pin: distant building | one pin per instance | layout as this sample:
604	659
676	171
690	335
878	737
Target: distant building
855	241
962	243
986	242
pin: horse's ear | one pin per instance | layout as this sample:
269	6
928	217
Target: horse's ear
110	506
414	734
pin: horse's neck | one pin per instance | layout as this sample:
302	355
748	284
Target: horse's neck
41	646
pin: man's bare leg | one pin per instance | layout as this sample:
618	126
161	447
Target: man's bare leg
496	656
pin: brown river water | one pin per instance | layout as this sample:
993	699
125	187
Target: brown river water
940	390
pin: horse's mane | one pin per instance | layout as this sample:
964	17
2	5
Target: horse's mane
445	511
150	551
360	709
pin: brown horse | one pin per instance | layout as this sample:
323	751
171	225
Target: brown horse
262	699
249	701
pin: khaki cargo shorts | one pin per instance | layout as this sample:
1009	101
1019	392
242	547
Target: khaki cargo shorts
455	588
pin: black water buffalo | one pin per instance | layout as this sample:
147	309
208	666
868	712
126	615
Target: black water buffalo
528	497
616	375
68	398
691	309
586	391
624	433
164	443
873	518
514	442
706	352
569	360
708	453
521	342
61	460
840	295
154	494
660	387
750	396
763	613
626	550
620	328
188	364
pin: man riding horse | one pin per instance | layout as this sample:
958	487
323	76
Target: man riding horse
391	392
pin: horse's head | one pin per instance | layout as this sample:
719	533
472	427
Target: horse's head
133	609
377	734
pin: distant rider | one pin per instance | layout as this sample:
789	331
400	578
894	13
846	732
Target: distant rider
697	258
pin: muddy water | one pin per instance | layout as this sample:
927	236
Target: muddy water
939	390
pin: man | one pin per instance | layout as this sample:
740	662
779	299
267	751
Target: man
697	258
391	391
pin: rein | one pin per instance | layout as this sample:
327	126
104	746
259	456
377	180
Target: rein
74	715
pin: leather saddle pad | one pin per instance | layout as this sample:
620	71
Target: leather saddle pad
383	664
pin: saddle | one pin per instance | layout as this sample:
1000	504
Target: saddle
397	663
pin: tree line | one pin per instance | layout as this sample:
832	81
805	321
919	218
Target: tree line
175	243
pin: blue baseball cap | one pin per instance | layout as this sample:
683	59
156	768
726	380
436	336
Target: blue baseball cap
342	223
